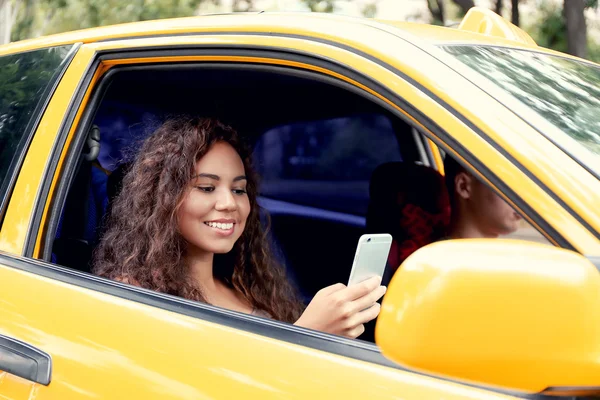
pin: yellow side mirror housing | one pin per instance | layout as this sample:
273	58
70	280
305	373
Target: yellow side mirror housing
509	314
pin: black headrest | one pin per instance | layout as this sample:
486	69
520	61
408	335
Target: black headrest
396	184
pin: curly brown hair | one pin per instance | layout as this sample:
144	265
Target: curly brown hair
142	243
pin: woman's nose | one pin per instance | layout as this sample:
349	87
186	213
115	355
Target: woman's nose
226	201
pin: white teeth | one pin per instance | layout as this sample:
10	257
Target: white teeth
220	225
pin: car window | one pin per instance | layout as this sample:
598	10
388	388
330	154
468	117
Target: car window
25	80
325	163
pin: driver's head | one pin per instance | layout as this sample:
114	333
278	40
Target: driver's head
476	207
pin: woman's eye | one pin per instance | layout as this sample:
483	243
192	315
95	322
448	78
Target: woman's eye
206	189
239	191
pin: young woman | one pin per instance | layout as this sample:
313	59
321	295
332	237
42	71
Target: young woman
186	222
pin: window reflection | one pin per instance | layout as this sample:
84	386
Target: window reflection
563	91
24	77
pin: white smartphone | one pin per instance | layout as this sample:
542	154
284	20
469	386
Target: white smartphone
371	257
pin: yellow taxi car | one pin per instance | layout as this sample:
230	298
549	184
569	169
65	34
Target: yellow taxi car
325	100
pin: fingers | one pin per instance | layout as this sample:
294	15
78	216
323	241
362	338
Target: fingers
356	332
360	289
332	289
356	327
367	315
368	300
344	310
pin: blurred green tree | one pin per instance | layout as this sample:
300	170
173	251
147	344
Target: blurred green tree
464	5
564	28
320	5
42	17
514	12
436	7
8	15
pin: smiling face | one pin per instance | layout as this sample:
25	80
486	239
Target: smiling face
213	214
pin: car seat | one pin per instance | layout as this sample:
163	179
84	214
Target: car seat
410	202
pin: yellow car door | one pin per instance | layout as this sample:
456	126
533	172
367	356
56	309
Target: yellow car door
66	334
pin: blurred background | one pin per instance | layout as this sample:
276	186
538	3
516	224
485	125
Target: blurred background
570	26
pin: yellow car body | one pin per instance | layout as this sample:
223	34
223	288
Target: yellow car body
108	340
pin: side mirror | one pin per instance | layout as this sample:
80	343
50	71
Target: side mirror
510	314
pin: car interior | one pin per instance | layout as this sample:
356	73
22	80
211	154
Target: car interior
333	164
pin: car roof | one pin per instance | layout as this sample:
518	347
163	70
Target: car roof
273	23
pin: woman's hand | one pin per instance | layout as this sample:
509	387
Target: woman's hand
343	310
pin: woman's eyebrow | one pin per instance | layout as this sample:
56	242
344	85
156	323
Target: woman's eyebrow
209	176
217	178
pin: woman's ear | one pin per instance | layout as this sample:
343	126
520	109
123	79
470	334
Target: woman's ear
463	183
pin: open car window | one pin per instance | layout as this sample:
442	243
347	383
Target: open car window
326	163
316	163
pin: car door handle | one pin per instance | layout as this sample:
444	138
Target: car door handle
20	359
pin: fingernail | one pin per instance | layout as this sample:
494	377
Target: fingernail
384	288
